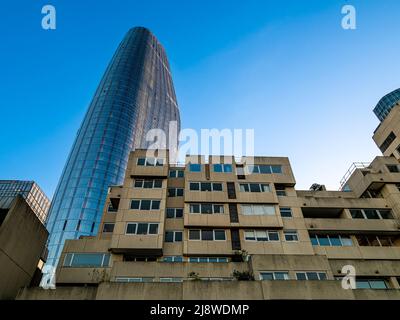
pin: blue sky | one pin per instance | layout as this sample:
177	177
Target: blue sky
285	68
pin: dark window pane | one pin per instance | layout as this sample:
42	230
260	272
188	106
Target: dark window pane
312	276
205	186
145	205
155	205
170	213
371	214
153	228
207	235
206	208
386	214
356	214
142	228
194	234
265	169
194	186
108	227
217	168
131	228
179	192
180	173
301	276
178	236
169	236
323	241
141	161
254	187
276	169
194	208
135	204
217	186
179	213
219	234
148	184
335	241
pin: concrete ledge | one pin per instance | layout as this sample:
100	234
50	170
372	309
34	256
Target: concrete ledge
211	290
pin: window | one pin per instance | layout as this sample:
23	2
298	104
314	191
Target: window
286	212
311	275
375	241
205	186
138	279
148	183
176	173
291	236
371	213
194	167
254	187
108	227
258	209
150	162
207	235
141	228
274	275
388	141
208	259
145	204
173	236
331	240
227	168
175	192
86	260
371	284
393	168
174	213
206	208
172	259
111	208
261	235
266	169
172	279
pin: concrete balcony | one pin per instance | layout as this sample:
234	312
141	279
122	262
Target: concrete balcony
137	244
352	225
193	247
356	252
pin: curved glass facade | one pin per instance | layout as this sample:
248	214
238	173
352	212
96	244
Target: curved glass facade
386	104
136	94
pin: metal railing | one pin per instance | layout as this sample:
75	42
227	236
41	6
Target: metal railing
354	166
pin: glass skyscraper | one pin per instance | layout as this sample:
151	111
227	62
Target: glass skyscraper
386	104
30	191
136	94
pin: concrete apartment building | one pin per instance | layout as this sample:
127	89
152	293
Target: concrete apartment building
193	231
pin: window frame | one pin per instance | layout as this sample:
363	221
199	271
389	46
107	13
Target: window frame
141	234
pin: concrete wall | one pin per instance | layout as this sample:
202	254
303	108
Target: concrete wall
22	240
211	290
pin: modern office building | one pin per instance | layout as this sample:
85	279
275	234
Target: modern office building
386	104
224	229
135	95
30	191
22	244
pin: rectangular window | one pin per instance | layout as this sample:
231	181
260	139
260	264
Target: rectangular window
371	214
108	227
173	236
291	236
331	240
176	173
371	284
274	275
208	259
174	279
136	279
194	167
141	228
86	260
172	259
265	169
254	187
375	241
206	208
175	192
261	235
148	183
311	275
257	209
286	212
145	204
174	213
388	141
227	168
150	162
207	235
205	186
